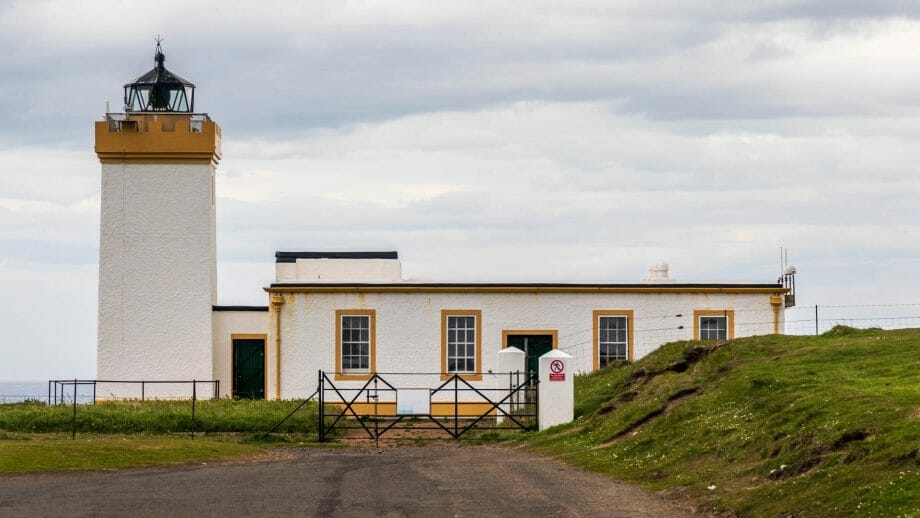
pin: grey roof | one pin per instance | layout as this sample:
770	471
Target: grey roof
291	257
159	75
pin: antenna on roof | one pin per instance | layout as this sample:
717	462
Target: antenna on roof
781	261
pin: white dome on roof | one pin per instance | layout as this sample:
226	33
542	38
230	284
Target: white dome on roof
657	273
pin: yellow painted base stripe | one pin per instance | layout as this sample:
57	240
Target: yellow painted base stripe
438	408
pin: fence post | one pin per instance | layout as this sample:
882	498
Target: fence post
73	426
376	414
511	406
536	401
194	385
142	391
322	418
456	407
816	320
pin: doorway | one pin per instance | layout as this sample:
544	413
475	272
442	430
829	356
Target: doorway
534	344
248	379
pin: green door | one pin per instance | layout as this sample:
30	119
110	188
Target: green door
249	368
534	346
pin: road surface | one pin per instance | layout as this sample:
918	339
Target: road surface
426	481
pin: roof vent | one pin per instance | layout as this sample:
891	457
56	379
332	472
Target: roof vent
657	273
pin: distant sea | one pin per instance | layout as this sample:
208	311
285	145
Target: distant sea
17	392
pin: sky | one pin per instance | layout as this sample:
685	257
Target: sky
499	141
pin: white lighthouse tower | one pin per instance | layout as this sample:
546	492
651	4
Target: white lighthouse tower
157	266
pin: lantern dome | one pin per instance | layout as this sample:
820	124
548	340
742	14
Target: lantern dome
159	90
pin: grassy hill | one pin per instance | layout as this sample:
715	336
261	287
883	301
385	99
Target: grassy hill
769	425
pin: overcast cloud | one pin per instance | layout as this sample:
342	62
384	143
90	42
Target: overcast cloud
483	140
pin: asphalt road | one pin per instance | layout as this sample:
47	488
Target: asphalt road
415	481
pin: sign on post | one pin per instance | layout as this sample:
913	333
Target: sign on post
556	391
557	370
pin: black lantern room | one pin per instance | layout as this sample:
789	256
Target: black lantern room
160	90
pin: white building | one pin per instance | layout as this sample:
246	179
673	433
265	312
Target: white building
347	313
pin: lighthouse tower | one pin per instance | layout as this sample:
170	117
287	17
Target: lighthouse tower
157	266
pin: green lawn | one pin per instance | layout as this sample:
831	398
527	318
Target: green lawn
159	417
762	426
36	437
52	452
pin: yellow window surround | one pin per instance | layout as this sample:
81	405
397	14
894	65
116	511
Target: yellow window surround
729	315
372	336
630	332
477	376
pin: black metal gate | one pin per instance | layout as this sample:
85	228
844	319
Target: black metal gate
455	406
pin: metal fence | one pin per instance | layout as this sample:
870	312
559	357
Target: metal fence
818	319
652	330
57	389
455	405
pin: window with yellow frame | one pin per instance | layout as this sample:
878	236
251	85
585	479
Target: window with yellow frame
613	336
355	348
461	343
713	324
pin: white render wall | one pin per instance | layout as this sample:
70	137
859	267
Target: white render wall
339	270
408	326
227	324
156	274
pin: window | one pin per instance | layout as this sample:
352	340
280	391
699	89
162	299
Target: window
713	328
613	336
713	324
356	343
461	343
355	348
612	343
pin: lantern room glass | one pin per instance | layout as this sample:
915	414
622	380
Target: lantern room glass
154	98
160	90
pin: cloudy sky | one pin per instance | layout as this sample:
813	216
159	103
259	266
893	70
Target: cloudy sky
483	140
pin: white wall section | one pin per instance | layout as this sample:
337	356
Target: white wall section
156	273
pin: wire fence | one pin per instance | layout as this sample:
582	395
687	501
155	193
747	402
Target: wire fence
818	319
650	330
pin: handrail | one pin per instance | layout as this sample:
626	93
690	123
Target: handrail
75	382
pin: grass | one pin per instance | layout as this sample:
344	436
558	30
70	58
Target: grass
113	435
217	416
761	426
52	452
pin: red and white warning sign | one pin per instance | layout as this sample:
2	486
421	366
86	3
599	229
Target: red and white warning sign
557	370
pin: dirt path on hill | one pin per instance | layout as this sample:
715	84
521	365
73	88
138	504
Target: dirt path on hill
408	481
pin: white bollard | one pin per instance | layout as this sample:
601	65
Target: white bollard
556	392
510	360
